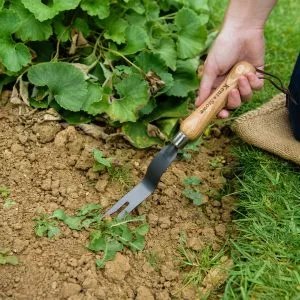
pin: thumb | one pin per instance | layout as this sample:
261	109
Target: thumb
207	81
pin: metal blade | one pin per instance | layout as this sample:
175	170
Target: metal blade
140	192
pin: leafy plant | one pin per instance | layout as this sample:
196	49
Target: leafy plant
107	235
111	236
84	217
154	260
8	203
186	152
193	180
115	169
101	163
4	192
6	258
45	226
124	60
191	193
217	162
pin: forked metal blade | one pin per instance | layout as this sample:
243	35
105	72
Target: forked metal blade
140	192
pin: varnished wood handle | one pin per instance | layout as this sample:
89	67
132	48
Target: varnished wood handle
195	124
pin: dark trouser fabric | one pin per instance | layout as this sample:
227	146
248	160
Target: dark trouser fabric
294	104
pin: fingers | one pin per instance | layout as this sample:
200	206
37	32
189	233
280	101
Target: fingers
254	81
223	114
245	88
234	99
206	85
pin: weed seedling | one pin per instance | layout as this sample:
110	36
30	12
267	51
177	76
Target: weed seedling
111	236
154	260
191	193
6	258
8	203
45	226
196	264
4	191
217	162
116	171
186	152
107	236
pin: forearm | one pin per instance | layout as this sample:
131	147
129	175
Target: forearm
244	14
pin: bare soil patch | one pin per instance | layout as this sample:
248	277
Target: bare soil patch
48	166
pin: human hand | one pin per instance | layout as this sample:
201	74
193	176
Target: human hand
231	46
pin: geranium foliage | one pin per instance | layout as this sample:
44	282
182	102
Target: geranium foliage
124	61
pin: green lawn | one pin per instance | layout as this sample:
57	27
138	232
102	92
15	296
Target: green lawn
266	251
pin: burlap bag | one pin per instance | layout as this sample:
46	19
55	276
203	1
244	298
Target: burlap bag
268	128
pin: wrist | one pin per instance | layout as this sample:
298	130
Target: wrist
248	14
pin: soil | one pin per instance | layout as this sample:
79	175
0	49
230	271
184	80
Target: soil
47	165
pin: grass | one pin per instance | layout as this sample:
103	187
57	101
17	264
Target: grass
266	249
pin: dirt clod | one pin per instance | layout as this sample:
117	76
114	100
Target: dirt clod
144	293
70	289
118	268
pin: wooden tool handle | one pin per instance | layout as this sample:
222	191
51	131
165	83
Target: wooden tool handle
195	124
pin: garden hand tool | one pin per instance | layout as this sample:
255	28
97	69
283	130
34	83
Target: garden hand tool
190	129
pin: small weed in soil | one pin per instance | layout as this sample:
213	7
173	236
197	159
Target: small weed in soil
4	191
196	265
189	149
217	162
154	260
116	171
108	236
45	226
6	258
191	193
8	203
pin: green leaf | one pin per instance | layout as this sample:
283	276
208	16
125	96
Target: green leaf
9	22
134	95
73	222
166	49
136	39
192	33
99	8
1	4
185	78
13	55
8	203
170	108
135	5
94	104
8	259
167	126
110	251
136	134
88	208
59	214
38	104
192	180
64	81
45	12
196	5
151	62
193	195
142	229
98	156
115	29
138	244
53	231
96	241
30	29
